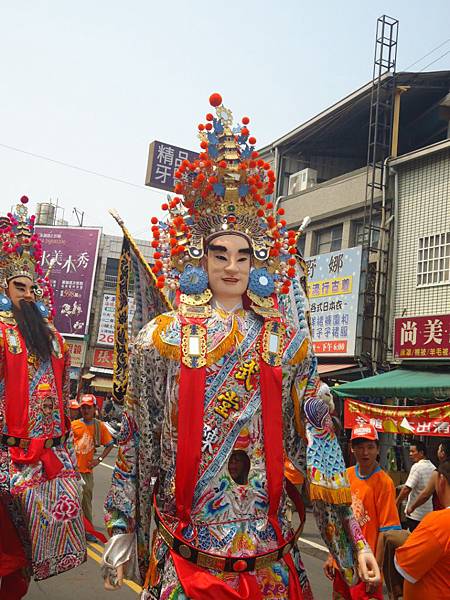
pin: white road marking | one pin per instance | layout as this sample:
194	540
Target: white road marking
313	544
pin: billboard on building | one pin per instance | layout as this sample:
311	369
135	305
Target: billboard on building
333	290
163	162
72	251
107	318
422	337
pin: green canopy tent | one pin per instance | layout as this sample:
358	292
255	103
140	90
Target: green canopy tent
432	384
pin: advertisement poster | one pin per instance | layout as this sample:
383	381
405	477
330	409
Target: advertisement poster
430	419
163	162
76	348
71	255
333	290
422	337
106	326
103	358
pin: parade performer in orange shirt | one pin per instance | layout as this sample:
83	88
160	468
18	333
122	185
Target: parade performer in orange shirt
41	523
373	503
221	390
424	559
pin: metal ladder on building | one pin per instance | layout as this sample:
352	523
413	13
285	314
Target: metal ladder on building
375	250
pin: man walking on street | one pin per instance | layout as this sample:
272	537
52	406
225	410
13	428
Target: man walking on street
89	433
418	478
373	503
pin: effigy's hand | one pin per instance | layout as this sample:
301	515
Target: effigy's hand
368	570
114	578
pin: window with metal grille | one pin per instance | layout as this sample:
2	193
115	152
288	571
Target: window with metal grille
329	239
433	260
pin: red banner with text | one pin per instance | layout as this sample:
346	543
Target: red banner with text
430	419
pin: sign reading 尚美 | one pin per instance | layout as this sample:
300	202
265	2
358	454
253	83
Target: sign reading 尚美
422	337
333	290
72	254
429	419
164	161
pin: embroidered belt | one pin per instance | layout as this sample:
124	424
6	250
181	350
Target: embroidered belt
10	440
233	564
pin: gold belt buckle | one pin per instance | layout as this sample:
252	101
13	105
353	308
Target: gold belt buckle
24	444
48	443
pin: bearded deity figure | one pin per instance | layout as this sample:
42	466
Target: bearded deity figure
222	391
42	531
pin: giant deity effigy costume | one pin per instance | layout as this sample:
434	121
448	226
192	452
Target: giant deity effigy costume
39	485
206	384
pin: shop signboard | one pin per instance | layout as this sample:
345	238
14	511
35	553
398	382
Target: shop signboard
333	290
429	419
163	162
103	358
105	335
422	337
71	255
76	348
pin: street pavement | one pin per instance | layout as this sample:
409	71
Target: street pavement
85	583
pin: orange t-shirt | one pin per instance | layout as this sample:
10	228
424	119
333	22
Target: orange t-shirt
424	559
84	438
373	503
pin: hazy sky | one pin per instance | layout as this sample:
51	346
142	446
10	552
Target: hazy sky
91	83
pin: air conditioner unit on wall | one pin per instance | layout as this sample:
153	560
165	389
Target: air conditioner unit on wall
303	180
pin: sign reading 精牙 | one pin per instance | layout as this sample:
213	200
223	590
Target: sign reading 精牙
163	162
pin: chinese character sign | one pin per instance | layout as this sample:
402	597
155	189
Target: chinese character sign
430	419
76	348
72	254
103	358
163	162
107	319
422	337
333	289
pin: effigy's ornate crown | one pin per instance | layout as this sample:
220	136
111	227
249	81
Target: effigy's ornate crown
228	189
21	251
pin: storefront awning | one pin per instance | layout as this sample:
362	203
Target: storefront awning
401	383
102	384
88	376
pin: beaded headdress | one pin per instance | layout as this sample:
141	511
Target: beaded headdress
21	252
227	189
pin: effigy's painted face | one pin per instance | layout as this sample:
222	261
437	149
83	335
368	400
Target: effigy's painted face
228	264
21	288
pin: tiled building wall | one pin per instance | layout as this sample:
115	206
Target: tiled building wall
423	209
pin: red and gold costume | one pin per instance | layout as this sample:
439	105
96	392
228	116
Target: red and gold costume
39	484
206	384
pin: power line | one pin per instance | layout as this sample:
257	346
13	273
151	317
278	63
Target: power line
82	169
435	60
427	54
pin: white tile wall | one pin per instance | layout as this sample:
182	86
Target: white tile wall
423	209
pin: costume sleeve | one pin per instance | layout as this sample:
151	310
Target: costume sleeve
320	456
129	500
419	553
388	518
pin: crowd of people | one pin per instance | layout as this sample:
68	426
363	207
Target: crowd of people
223	393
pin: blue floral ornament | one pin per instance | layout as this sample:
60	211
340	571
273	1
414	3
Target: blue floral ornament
5	302
43	310
261	283
193	280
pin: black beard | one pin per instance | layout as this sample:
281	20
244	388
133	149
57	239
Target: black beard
37	334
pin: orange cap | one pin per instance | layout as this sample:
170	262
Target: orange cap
88	400
74	404
366	432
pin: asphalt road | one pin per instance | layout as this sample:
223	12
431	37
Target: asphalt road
85	583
